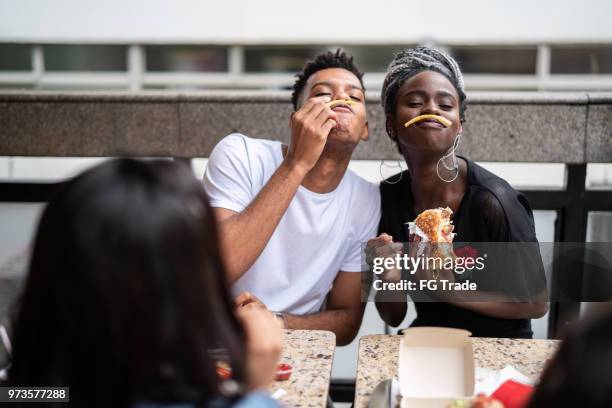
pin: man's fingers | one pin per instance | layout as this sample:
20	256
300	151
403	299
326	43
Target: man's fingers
316	116
315	104
323	115
328	126
310	110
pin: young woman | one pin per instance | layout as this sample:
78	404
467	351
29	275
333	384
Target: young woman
126	299
425	81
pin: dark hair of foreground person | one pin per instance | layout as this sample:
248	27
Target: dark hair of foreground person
580	374
126	294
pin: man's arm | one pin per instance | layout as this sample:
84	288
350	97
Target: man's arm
343	313
245	234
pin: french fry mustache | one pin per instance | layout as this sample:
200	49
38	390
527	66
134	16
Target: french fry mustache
340	102
445	122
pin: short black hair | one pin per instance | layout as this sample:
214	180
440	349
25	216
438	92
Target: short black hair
338	59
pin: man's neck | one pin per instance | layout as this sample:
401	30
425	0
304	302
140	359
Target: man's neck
326	175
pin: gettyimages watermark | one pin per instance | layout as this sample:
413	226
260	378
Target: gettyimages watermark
414	263
487	272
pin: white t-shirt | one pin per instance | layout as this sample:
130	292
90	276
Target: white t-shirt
318	236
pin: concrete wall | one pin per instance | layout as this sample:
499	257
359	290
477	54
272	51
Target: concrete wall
512	127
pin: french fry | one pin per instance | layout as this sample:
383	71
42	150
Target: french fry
340	102
445	122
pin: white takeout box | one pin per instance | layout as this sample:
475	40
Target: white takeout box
436	367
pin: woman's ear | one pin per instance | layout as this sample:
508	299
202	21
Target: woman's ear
390	127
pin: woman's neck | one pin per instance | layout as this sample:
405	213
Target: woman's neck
428	190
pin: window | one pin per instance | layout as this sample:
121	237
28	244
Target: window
181	66
599	176
15	57
85	57
599	226
496	60
581	60
374	58
279	59
186	58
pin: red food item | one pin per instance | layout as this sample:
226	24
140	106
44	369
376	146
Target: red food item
283	372
224	371
513	394
466	252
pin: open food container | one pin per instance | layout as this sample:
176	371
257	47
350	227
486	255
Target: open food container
436	367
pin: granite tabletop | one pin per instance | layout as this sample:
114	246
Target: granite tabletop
378	356
310	353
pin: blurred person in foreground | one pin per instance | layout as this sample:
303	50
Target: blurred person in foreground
580	373
126	298
292	219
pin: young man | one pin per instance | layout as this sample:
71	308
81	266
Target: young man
292	219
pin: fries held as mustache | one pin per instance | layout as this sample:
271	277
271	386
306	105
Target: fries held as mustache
445	122
340	102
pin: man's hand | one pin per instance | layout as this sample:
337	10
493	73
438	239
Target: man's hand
247	299
310	126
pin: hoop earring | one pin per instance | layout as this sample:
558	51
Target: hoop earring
454	166
383	179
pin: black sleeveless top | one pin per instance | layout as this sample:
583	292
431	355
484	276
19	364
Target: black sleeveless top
490	211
